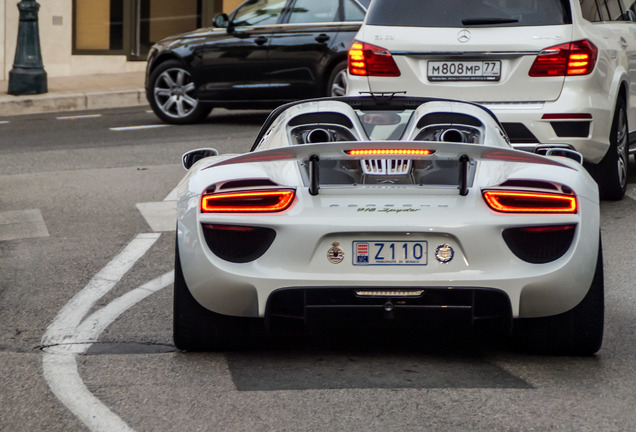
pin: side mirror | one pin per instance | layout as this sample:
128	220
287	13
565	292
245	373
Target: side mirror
567	153
221	21
194	156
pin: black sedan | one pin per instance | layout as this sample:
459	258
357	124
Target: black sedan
264	54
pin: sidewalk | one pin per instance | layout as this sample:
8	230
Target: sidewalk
78	93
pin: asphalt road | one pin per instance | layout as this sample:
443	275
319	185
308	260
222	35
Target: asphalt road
85	313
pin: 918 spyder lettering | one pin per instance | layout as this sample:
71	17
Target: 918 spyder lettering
387	210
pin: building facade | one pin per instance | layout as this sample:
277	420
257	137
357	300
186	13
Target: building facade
79	37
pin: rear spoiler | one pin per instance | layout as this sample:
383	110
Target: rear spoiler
439	150
419	150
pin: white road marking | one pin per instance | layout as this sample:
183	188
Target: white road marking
76	117
4	122
20	224
64	380
71	334
131	128
68	335
68	319
161	216
172	196
92	326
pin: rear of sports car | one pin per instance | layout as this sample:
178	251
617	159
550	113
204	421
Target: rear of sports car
382	235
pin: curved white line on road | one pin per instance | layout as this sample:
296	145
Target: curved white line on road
63	327
90	329
67	331
60	371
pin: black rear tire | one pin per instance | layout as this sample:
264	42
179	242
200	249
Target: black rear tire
611	173
578	332
196	328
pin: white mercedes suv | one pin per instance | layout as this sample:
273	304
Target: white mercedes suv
557	73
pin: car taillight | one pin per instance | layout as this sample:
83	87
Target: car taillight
261	201
530	202
389	152
370	60
574	58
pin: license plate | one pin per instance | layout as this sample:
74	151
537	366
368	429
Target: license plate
464	70
367	253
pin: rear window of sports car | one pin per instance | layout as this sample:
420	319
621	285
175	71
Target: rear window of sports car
469	13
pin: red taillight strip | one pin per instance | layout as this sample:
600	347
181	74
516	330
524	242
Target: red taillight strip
567	116
248	201
389	152
530	202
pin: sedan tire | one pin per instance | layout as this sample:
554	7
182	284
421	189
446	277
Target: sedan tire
170	92
338	80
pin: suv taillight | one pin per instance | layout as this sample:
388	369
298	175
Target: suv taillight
574	58
370	60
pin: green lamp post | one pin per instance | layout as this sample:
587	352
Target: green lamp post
28	76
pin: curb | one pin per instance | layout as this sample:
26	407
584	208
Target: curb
12	105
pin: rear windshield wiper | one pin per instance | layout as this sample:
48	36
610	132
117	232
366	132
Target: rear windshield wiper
486	21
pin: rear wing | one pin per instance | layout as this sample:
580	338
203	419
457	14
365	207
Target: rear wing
463	154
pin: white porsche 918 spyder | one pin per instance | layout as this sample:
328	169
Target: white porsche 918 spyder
388	209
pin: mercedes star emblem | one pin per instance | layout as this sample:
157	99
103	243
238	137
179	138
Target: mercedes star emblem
463	36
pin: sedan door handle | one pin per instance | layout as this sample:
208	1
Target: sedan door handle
322	38
260	40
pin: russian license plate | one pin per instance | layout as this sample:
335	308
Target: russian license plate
390	252
464	70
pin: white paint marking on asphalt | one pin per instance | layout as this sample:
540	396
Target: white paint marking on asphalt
160	216
92	326
76	117
4	122
65	323
59	363
172	196
21	224
64	380
132	128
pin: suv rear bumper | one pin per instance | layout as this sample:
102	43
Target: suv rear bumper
526	125
589	136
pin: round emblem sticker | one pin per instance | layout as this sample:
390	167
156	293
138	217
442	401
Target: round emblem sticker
336	254
444	253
